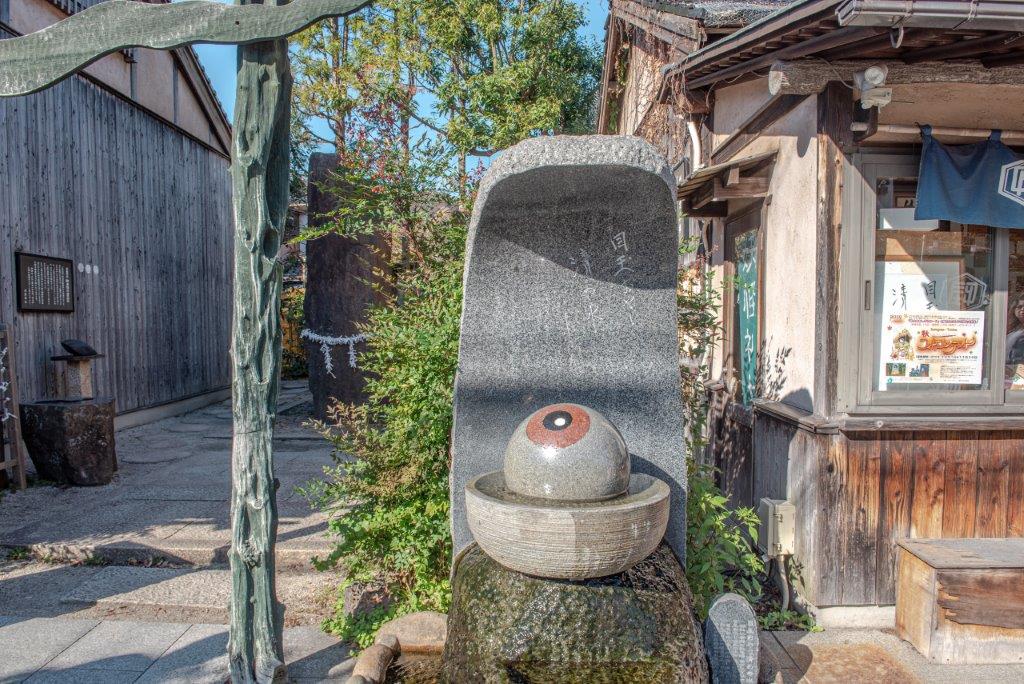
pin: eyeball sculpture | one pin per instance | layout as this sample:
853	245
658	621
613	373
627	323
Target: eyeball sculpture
565	505
567	452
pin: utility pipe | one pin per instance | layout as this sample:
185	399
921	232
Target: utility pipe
904	129
691	128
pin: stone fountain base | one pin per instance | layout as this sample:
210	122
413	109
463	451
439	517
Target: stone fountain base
636	626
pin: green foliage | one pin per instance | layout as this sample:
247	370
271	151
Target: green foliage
19	553
395	531
719	552
408	91
719	556
477	75
293	353
778	620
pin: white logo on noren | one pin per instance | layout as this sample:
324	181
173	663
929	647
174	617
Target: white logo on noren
1011	181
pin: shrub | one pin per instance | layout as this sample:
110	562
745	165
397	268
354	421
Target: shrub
719	555
293	353
719	552
392	471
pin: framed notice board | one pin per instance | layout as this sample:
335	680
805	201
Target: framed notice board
44	283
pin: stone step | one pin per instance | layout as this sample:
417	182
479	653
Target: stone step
199	553
190	595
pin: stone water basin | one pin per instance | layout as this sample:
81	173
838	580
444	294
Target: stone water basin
567	540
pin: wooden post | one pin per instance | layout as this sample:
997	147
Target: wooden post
834	139
259	178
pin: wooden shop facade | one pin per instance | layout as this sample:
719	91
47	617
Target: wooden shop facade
795	129
118	178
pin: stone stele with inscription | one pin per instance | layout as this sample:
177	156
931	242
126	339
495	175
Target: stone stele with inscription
570	296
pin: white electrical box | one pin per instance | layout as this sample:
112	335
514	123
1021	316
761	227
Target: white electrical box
776	534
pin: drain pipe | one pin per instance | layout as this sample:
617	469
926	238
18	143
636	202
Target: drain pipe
691	128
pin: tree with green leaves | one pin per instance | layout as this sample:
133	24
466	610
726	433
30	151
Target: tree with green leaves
409	93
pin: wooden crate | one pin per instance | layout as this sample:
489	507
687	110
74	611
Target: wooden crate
962	600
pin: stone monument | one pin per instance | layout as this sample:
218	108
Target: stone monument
731	641
568	459
570	296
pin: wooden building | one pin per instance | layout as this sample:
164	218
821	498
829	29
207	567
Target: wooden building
798	167
123	170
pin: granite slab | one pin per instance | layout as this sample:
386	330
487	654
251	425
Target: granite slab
570	296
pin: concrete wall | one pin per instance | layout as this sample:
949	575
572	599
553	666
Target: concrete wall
790	235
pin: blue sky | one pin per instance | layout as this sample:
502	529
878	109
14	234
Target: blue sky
219	60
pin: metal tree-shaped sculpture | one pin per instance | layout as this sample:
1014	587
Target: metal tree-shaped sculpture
259	178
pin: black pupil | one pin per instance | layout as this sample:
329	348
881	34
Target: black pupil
557	420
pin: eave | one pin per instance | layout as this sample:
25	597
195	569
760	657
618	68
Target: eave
865	29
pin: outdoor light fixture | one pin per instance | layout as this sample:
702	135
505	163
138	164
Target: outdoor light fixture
870	83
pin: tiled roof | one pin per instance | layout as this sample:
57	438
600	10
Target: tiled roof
721	13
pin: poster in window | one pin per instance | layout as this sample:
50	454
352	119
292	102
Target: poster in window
918	286
746	313
932	347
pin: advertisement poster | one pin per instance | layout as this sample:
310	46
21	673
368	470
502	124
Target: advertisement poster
932	347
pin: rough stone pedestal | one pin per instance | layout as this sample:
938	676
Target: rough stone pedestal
71	442
637	626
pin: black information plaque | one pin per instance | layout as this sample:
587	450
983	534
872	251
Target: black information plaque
44	283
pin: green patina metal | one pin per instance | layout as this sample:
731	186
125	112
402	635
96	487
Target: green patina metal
259	176
33	62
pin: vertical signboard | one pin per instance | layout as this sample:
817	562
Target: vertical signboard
746	313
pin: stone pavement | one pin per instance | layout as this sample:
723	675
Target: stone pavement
70	651
169	502
129	581
869	656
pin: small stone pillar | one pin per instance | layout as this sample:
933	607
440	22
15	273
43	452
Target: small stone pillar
77	376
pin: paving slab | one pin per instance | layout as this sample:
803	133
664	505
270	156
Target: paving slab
34	642
313	655
199	656
170	500
838	656
82	676
189	595
29	588
122	646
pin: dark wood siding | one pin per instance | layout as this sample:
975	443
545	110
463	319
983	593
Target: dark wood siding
857	493
89	177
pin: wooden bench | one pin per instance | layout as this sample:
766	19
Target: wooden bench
962	600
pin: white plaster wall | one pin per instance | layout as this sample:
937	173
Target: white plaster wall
961	105
735	104
153	72
191	115
790	234
28	16
154	83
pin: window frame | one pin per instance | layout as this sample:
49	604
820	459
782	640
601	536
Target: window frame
857	341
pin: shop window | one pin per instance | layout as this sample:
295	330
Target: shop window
933	281
942	317
1013	372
